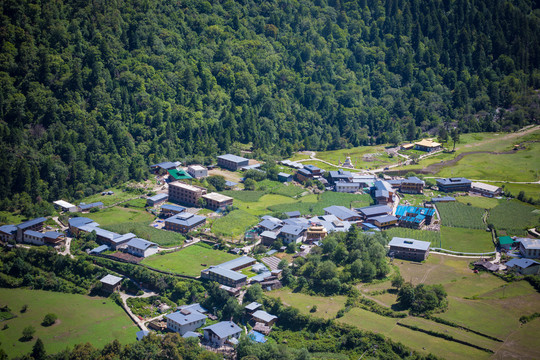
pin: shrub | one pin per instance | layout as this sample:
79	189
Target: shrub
49	319
28	333
313	309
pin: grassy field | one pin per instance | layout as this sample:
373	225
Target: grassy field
81	319
188	261
459	215
245	196
123	220
362	157
514	215
478	201
278	188
7	217
466	240
530	190
315	204
234	224
327	307
265	202
118	196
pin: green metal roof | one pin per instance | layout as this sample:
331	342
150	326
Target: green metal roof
505	240
179	174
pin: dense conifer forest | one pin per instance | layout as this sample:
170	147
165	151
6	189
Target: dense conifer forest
93	92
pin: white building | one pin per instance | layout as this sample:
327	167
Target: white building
197	171
65	206
485	189
185	320
221	332
142	248
529	248
347	187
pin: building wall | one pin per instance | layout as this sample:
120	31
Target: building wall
138	252
222	279
151	202
182	228
6	237
184	328
409	254
232	165
409	188
529	253
184	195
346	189
197	174
454	187
215	205
210	336
20	232
288	238
109	288
33	240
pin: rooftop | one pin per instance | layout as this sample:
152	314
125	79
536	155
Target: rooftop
427	143
293	213
292	230
253	306
63	204
238	262
186	186
374	210
224	329
217	197
409	243
172	207
284	174
79	221
455	181
33	233
341	212
269	234
90	206
159	197
506	240
186	219
186	317
443	198
140	244
486	187
31	223
179	174
227	273
196	167
111	280
233	158
522	263
8	229
269	224
413	180
384	218
530	244
165	165
264	316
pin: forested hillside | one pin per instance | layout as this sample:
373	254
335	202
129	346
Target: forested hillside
93	91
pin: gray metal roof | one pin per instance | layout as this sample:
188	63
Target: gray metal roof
158	197
99	249
233	158
123	238
522	263
224	329
253	306
31	223
111	280
79	221
194	307
188	318
90	206
186	219
53	234
269	234
33	233
233	264
229	274
140	244
443	198
99	231
264	316
166	165
8	229
413	180
384	218
282	174
530	244
190	334
383	185
454	181
172	207
292	230
409	243
269	224
293	213
341	212
374	210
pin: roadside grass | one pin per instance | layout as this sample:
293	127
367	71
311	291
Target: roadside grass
81	319
514	216
107	200
456	214
327	307
434	237
466	240
234	224
478	201
298	156
188	261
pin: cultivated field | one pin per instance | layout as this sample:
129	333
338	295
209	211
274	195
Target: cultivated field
81	319
118	196
466	240
478	201
514	217
327	307
459	215
189	261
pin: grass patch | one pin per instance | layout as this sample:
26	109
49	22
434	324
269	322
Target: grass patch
135	203
118	214
514	215
7	217
361	156
244	195
276	187
315	206
188	261
459	215
478	201
466	240
434	237
107	200
327	307
234	224
81	319
530	190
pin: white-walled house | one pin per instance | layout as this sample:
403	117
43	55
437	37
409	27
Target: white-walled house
142	248
185	320
221	332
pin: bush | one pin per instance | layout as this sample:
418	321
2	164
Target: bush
49	319
24	308
313	309
28	333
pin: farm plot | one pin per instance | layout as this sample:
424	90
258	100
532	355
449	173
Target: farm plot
234	223
460	215
514	216
243	195
434	237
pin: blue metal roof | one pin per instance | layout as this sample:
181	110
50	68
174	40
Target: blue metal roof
341	212
140	244
260	277
141	334
159	197
234	263
233	158
224	329
31	223
79	221
33	233
8	229
311	168
53	234
172	207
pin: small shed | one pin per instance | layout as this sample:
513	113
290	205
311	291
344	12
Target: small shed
506	242
111	283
